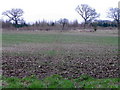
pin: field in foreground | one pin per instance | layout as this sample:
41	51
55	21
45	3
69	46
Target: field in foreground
69	54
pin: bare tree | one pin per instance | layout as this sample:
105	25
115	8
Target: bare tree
63	22
87	13
14	15
114	13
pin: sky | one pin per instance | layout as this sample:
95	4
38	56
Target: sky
53	10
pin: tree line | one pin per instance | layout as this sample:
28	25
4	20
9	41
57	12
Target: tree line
88	14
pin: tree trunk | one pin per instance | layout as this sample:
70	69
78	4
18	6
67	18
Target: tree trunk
63	26
118	25
16	23
85	23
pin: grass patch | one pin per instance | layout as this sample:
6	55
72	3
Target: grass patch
56	81
18	38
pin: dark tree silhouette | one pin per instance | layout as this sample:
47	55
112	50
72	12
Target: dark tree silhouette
87	13
114	13
14	15
63	22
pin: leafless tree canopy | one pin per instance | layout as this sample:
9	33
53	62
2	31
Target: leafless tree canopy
14	15
63	22
86	12
114	13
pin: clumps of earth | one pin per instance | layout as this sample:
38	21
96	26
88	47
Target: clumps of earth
100	66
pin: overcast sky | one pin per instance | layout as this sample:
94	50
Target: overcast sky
51	10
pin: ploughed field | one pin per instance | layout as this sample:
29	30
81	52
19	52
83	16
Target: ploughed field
69	54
